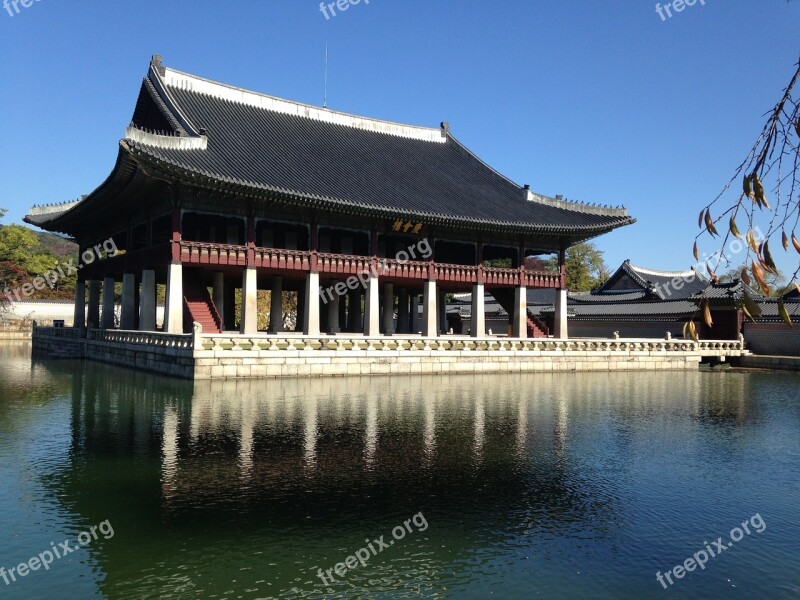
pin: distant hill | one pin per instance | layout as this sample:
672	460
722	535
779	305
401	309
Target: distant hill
57	245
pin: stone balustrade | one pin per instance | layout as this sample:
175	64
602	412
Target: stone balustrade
339	343
142	338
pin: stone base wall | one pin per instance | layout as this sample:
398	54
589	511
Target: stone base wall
779	363
772	338
322	363
223	356
152	352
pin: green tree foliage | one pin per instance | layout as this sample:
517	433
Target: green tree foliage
23	257
585	265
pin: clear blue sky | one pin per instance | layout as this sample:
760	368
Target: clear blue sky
599	101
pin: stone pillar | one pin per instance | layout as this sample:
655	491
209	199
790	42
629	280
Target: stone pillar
276	305
129	305
402	311
429	328
108	304
372	308
354	324
173	319
219	297
147	313
388	308
519	323
343	313
477	323
415	324
79	316
249	324
333	311
301	310
93	314
561	329
311	320
442	312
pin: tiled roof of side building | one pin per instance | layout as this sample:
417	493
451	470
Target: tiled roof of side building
204	129
662	283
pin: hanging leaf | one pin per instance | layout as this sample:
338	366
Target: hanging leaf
785	240
734	229
758	273
750	305
706	306
797	285
686	330
758	190
713	276
796	243
701	217
768	261
710	223
747	314
696	252
751	241
745	277
747	185
693	331
784	313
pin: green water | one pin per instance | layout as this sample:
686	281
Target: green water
549	486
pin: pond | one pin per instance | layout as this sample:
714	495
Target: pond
118	484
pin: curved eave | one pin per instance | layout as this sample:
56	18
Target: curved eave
305	200
122	173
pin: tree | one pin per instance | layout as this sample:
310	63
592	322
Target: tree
769	196
585	266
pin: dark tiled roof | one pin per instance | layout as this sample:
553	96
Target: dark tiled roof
669	308
769	310
659	282
609	297
278	146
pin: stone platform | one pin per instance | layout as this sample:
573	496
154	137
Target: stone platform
226	356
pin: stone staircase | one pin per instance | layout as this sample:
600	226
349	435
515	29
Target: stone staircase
199	307
505	298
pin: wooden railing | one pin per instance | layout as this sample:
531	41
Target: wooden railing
280	259
204	253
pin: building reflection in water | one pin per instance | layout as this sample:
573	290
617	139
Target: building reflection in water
515	454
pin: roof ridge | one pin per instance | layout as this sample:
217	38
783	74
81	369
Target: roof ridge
658	273
194	83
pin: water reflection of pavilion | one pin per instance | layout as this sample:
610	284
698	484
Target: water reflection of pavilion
309	456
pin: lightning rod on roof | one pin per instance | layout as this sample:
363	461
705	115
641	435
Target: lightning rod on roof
325	95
